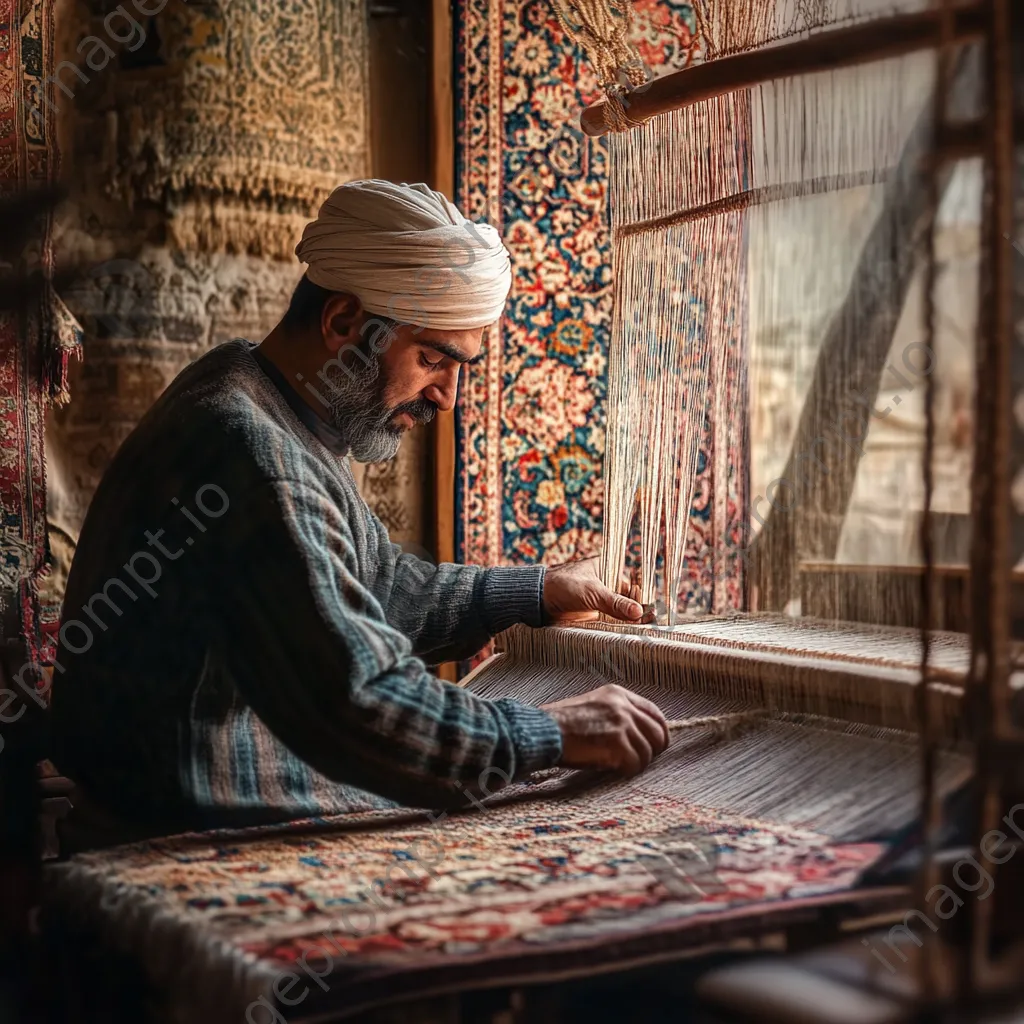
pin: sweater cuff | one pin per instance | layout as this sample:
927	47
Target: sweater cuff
513	595
535	735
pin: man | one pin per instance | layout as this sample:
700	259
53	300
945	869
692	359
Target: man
240	639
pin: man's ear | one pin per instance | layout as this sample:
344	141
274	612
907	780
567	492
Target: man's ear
340	320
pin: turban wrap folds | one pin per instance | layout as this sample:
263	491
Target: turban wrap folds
407	253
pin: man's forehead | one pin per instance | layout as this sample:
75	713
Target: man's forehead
463	346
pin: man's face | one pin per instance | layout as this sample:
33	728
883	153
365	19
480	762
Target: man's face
420	367
394	378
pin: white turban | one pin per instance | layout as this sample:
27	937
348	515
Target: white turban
407	253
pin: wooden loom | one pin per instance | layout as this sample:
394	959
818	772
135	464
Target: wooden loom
805	721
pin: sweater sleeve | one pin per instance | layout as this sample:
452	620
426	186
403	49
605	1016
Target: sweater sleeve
450	611
311	651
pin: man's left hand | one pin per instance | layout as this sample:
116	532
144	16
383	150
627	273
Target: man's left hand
575	593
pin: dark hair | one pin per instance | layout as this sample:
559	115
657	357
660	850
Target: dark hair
306	305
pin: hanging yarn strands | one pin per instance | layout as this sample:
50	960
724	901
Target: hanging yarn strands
602	28
768	250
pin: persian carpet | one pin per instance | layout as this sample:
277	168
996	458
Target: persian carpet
532	417
34	343
397	905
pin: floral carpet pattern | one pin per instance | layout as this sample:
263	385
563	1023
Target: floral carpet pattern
34	343
392	892
532	417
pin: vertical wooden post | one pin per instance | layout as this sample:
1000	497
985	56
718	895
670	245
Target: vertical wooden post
991	547
931	984
442	170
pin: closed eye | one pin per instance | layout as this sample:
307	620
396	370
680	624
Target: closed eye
432	364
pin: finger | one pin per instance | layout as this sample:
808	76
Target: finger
563	617
640	746
629	759
655	732
628	588
642	702
653	712
638	589
615	605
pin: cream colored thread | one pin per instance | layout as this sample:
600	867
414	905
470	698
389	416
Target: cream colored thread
781	737
601	29
718	723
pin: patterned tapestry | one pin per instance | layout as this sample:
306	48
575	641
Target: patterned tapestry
532	417
35	342
264	113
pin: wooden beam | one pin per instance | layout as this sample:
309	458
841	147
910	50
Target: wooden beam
966	139
442	169
1016	242
442	106
992	522
862	43
756	197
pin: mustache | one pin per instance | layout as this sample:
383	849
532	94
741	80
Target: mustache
422	410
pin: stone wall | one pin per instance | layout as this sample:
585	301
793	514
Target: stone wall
160	310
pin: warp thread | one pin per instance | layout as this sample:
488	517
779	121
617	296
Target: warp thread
787	761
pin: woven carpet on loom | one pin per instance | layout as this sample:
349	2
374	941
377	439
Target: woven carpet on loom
394	907
531	416
35	342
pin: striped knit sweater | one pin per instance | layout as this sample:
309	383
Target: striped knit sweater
241	641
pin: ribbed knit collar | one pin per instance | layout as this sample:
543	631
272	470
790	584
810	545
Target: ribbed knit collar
329	436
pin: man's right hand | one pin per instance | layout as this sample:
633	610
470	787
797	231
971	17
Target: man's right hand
611	728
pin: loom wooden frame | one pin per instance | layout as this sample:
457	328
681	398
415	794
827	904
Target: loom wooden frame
442	169
991	547
993	138
778	677
825	51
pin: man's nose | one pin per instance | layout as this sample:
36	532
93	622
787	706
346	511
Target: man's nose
444	391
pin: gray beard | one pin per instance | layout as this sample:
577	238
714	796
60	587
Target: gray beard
358	413
362	419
